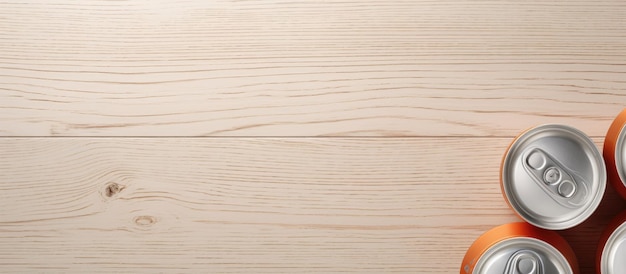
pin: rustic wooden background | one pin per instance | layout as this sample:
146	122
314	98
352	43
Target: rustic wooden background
284	136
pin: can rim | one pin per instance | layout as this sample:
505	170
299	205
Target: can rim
546	247
596	196
605	261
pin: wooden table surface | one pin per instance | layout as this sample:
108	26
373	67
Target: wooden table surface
285	136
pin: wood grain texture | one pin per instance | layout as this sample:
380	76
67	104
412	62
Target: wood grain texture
308	68
454	81
253	205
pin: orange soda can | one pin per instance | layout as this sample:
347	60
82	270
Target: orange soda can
553	176
615	153
519	248
612	247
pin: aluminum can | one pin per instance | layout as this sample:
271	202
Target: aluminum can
517	248
611	256
615	153
553	176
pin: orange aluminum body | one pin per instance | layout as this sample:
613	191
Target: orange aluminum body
515	230
610	144
613	225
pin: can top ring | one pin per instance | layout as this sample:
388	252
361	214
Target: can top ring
522	255
553	176
612	260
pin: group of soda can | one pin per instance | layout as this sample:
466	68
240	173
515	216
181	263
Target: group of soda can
554	178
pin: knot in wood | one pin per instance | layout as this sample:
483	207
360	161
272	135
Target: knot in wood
145	220
113	188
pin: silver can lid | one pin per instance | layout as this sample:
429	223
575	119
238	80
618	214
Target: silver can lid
620	155
553	176
614	252
522	255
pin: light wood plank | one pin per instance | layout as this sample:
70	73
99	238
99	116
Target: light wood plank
405	205
308	68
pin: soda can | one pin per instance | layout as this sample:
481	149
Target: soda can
611	256
553	176
615	153
517	248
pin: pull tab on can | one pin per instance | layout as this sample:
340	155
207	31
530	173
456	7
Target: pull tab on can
563	185
524	262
